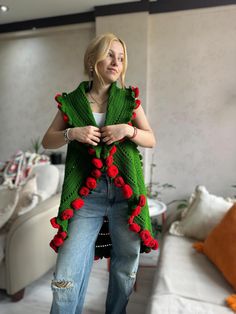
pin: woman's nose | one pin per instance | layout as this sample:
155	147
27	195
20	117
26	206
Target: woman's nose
114	61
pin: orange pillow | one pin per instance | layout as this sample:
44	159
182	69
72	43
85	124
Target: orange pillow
220	248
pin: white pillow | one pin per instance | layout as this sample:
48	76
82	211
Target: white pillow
203	214
27	200
61	169
47	180
8	201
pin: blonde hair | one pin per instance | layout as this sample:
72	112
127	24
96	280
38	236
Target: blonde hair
97	51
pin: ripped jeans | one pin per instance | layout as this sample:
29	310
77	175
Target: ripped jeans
75	257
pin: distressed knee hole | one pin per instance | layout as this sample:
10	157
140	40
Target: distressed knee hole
62	284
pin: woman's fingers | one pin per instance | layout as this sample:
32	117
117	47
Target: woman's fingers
97	133
95	138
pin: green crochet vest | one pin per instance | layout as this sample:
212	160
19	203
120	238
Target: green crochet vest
84	164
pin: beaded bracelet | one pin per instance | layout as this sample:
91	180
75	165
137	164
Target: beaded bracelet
135	132
66	137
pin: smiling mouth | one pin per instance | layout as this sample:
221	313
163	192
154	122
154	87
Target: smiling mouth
112	70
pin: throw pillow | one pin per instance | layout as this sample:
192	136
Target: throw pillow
203	214
61	169
8	201
47	180
27	200
220	248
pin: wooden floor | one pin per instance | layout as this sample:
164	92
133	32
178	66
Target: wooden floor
38	296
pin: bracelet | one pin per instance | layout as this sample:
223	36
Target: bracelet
66	137
135	133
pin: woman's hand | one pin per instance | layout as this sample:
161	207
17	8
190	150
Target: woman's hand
86	134
113	133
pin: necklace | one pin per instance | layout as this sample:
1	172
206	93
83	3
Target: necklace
99	103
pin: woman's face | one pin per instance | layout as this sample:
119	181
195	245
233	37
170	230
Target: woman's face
111	67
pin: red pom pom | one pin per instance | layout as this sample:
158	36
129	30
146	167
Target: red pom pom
57	95
54	223
97	163
131	220
59	106
134	115
84	191
154	244
109	161
65	118
91	183
136	91
142	200
62	234
134	227
77	203
96	258
113	150
119	182
112	171
136	211
53	246
130	123
96	173
146	237
58	240
91	151
127	191
67	214
138	103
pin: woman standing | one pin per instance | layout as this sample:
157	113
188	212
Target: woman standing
103	210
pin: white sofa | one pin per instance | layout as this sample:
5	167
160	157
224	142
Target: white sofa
186	282
25	251
28	255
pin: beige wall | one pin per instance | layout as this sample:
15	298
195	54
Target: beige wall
34	67
184	64
192	98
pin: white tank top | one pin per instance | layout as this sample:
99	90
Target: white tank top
99	118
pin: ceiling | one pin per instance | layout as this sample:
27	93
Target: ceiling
23	10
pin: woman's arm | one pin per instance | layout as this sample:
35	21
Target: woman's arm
54	137
144	136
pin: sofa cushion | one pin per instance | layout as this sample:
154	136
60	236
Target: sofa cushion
27	196
175	304
2	245
27	200
183	272
220	246
47	180
61	169
8	201
203	214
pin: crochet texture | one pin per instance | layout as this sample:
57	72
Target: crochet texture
85	163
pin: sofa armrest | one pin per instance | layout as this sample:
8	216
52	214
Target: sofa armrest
28	255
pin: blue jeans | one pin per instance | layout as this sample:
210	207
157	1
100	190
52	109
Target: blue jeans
75	257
